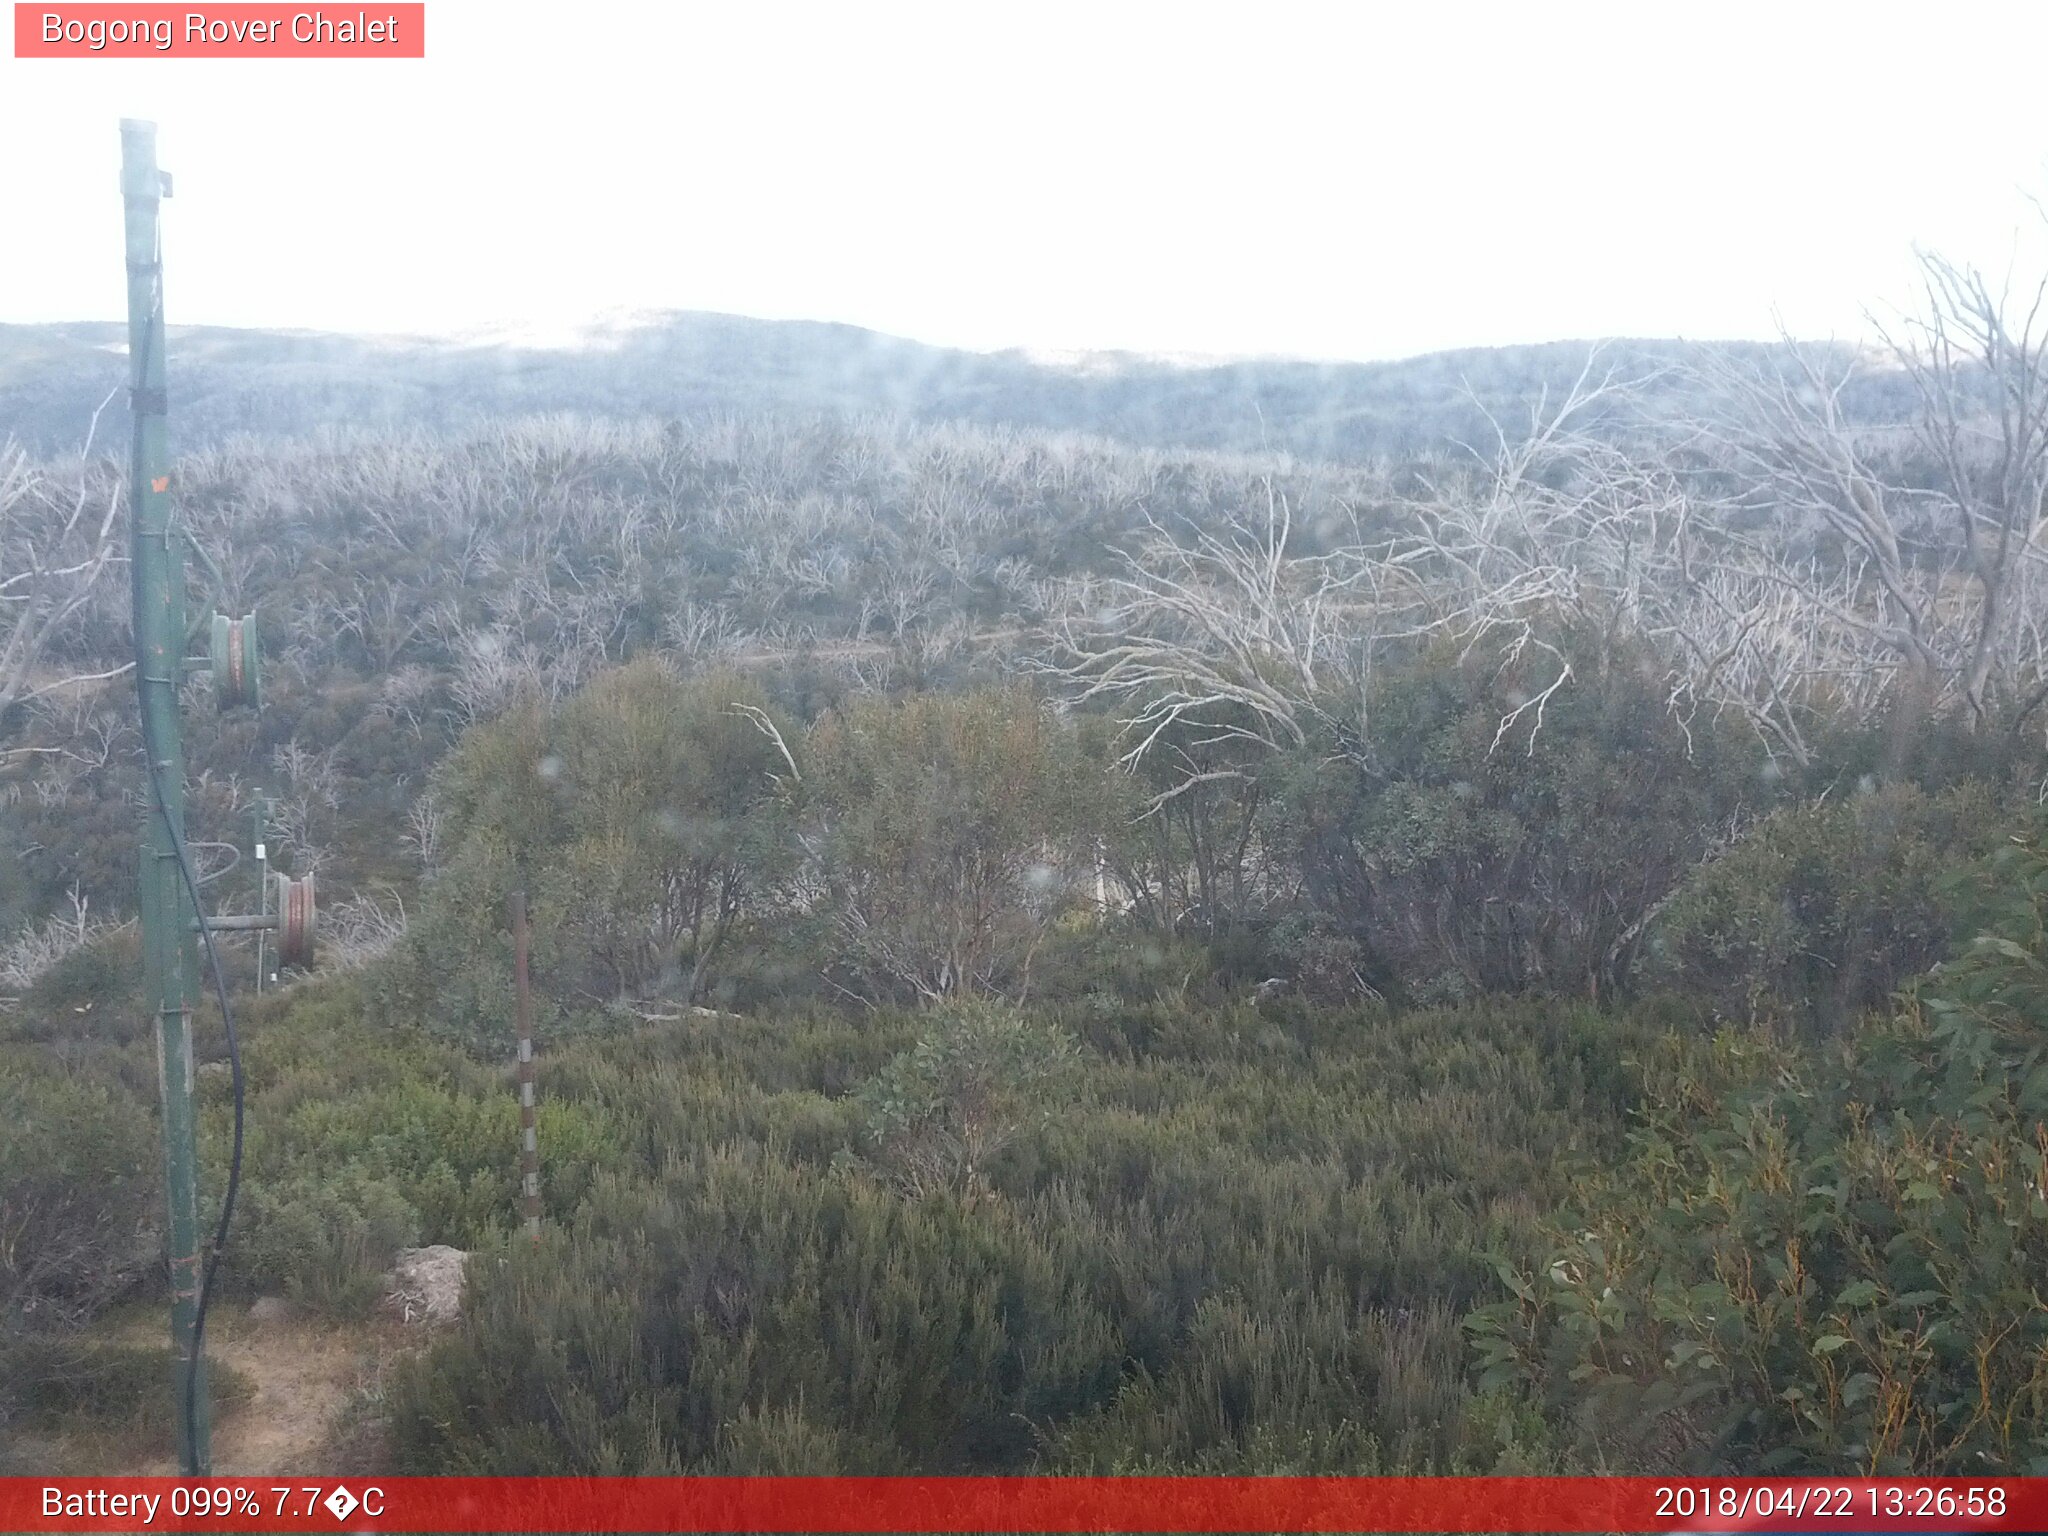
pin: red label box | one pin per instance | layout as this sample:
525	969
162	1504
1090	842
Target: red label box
975	1506
229	31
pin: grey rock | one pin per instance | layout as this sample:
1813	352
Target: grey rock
426	1284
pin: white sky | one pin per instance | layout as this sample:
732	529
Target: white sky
1339	180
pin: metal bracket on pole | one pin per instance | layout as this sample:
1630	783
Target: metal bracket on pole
284	907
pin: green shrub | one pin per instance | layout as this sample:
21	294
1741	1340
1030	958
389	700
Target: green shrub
1823	911
362	1140
324	1243
1232	1238
1824	1258
1464	855
949	833
77	1189
644	820
93	993
108	1388
978	1075
1187	832
741	1287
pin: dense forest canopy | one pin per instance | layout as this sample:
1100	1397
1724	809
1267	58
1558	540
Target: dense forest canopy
1475	914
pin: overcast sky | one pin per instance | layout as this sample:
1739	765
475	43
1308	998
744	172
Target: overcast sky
1355	181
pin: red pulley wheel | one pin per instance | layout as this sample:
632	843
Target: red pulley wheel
296	920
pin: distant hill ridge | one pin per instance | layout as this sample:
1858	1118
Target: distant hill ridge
273	383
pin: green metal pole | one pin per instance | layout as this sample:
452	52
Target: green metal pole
170	961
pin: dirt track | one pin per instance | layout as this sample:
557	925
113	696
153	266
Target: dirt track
305	1376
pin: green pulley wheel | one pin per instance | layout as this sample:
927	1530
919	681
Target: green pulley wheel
237	673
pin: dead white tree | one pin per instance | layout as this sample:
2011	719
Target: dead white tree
426	831
1810	480
361	928
1973	340
492	670
303	808
1228	634
1558	526
57	540
36	947
406	696
1922	588
1610	535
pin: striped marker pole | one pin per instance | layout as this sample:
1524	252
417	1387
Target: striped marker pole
529	1145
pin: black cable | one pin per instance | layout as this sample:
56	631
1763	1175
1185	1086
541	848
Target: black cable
227	1012
227	1015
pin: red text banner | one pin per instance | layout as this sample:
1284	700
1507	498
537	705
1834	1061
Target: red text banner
227	31
1849	1506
